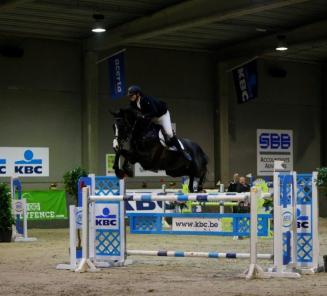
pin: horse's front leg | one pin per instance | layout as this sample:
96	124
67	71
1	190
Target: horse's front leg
119	173
128	169
116	161
128	159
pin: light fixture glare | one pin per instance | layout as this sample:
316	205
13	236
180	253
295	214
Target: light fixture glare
282	46
98	30
98	26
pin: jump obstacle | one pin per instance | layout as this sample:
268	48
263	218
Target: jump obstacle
19	211
292	249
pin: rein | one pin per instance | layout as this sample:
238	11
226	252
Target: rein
132	128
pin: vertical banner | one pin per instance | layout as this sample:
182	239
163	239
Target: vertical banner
246	82
274	145
117	75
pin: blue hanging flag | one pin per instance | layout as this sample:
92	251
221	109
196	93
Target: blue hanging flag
117	84
246	82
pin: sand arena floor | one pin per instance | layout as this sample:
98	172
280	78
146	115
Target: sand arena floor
29	269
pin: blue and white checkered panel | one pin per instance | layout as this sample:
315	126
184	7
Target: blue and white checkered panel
304	219
106	185
304	248
262	226
107	242
146	223
304	189
285	189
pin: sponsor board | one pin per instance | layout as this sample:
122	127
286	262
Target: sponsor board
274	145
24	161
106	216
197	224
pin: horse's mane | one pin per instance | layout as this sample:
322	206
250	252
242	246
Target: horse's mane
130	115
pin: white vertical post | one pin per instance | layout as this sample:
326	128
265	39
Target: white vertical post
221	205
278	236
92	231
254	271
72	236
314	219
85	263
254	227
72	241
221	208
24	201
122	191
294	221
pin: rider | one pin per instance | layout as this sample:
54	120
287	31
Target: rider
156	111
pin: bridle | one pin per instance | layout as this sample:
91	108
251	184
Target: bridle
127	126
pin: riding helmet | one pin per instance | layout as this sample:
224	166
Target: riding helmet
134	89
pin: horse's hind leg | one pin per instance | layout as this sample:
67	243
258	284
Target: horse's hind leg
190	184
201	181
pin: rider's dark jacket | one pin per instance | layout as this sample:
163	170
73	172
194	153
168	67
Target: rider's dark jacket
150	107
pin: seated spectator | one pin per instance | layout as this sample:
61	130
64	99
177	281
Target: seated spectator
233	184
242	186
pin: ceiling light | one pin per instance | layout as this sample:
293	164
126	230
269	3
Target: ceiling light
98	26
281	46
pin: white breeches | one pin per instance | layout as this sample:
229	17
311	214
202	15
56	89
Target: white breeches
165	122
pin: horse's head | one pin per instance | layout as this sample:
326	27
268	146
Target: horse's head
124	122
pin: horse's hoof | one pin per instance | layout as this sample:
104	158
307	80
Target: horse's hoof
128	170
120	174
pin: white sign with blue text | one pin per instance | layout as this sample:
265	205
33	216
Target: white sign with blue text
274	145
24	161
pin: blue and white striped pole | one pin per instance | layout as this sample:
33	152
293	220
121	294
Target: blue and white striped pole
214	255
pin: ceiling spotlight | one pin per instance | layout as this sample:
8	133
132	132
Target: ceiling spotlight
98	26
281	46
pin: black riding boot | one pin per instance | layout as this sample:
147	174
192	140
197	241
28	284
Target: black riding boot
174	142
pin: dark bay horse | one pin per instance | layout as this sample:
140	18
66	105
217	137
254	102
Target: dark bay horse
145	147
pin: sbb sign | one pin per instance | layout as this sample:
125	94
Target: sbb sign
274	145
274	141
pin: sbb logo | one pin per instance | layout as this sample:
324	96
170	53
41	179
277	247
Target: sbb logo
274	141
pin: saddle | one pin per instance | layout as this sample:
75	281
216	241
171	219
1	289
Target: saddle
155	133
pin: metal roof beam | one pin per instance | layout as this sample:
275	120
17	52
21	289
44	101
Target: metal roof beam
7	5
181	16
296	38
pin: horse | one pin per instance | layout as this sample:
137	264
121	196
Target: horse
148	149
